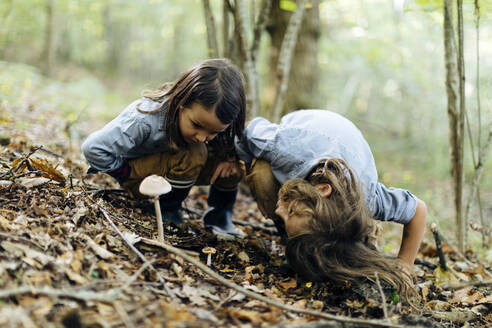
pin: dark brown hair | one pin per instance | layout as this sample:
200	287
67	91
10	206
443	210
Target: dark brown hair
340	247
216	84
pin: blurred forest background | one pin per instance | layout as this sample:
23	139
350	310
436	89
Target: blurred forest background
378	62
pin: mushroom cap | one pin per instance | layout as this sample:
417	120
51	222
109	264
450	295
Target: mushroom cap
209	250
154	185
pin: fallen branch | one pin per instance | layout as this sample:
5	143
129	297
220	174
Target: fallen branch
267	300
437	238
133	248
84	295
468	283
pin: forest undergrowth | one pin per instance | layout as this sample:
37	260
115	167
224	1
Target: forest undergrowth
62	263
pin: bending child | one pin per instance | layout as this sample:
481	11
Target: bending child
329	190
183	131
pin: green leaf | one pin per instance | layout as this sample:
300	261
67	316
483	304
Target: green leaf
288	5
395	298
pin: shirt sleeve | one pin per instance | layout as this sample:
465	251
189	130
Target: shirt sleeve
257	141
105	149
393	204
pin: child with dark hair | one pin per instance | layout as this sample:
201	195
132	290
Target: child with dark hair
185	132
329	191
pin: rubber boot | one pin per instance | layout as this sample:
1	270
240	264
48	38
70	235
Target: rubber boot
219	215
171	204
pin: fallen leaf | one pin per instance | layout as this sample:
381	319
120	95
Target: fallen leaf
466	295
291	283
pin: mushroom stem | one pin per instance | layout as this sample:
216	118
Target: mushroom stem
209	259
158	216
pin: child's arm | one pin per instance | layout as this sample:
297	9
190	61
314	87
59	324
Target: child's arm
412	234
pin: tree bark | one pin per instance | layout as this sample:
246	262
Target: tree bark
302	90
265	8
285	59
252	98
212	48
48	57
454	115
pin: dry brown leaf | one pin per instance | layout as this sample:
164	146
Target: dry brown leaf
243	257
49	172
37	278
288	284
248	315
78	279
442	276
438	305
466	295
99	250
301	304
486	300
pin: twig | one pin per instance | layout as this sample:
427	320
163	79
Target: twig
154	242
442	259
425	263
133	248
135	275
383	298
468	283
123	314
84	295
267	300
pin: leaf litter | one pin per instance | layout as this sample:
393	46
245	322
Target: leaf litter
62	264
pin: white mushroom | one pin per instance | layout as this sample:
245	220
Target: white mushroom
154	186
209	251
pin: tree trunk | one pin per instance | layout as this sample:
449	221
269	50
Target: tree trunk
212	48
455	132
302	91
48	57
252	96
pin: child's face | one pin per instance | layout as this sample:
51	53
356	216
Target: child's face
295	223
199	124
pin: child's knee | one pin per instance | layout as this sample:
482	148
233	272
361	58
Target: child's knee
264	186
187	164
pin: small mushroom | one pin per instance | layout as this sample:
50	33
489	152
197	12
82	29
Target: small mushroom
154	186
209	251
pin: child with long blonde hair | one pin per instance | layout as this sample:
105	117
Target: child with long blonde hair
314	175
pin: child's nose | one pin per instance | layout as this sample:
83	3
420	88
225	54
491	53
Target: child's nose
202	137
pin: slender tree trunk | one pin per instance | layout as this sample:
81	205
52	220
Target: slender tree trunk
212	48
252	98
265	8
49	45
285	59
455	132
226	46
302	90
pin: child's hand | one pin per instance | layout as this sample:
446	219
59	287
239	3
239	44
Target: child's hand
225	170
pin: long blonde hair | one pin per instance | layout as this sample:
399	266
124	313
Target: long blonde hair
339	247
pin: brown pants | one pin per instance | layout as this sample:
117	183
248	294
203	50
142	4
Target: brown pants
193	166
264	187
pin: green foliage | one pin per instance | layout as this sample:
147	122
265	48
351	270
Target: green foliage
288	5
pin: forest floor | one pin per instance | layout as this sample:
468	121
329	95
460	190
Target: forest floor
62	263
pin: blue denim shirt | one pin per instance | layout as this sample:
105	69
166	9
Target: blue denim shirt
295	146
133	133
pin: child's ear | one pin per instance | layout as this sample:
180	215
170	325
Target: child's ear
325	189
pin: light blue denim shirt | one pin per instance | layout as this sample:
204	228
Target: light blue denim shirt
295	146
133	133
